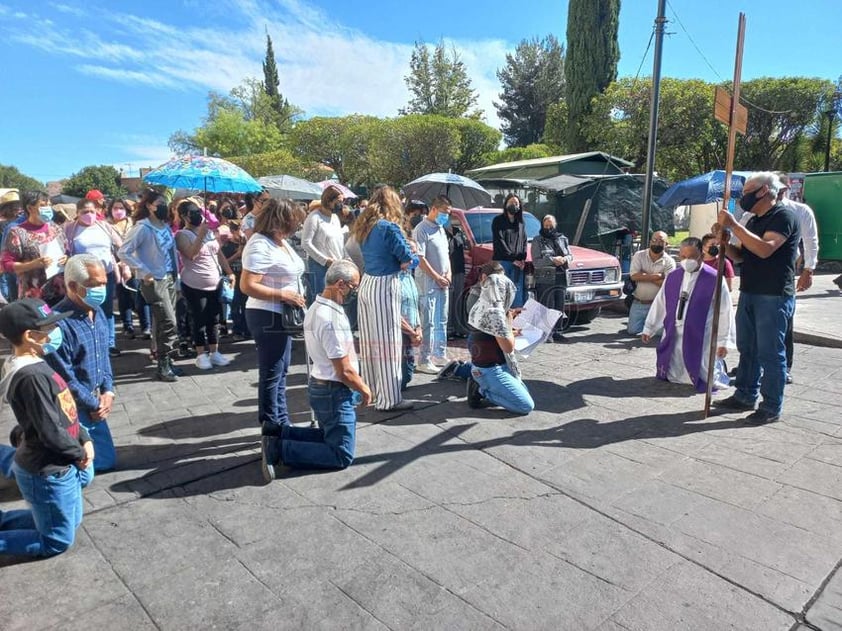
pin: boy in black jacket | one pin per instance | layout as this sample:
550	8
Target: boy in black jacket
55	448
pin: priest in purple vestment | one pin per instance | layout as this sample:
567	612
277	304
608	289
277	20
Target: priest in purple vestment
683	310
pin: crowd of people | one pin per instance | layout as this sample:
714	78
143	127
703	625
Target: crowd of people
371	293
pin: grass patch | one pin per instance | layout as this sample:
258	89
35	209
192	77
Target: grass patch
678	237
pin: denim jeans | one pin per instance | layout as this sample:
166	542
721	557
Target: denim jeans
407	361
9	286
128	301
274	353
331	445
56	507
315	279
515	274
7	458
637	317
500	387
761	328
108	307
432	305
238	311
105	456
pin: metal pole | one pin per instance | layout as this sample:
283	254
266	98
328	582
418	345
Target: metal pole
830	114
653	120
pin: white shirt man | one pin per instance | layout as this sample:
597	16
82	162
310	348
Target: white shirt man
335	382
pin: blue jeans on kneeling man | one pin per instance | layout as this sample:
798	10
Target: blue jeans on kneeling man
331	445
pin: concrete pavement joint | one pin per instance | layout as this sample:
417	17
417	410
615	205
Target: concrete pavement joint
360	605
409	565
120	578
589	506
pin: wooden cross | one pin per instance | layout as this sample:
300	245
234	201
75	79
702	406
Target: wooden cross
728	110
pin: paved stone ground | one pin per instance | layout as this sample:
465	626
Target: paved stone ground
613	506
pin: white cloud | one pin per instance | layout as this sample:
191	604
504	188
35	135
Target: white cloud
325	67
66	8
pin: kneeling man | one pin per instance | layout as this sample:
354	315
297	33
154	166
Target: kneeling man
683	310
334	379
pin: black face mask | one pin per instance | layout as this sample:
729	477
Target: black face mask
229	213
713	250
162	212
513	209
195	218
337	207
656	249
748	201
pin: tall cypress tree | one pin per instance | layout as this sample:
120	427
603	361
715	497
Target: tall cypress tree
592	55
271	82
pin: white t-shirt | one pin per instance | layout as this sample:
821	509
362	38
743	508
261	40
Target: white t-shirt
95	240
280	267
327	335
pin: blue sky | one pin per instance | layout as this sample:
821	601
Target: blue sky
107	82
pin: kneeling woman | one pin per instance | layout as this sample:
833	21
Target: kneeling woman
495	377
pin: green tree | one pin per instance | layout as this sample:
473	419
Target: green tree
513	154
439	84
781	111
409	146
283	112
690	141
555	128
592	55
11	177
532	80
232	127
104	178
277	162
340	142
476	140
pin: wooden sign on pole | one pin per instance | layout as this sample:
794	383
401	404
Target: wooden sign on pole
732	121
722	103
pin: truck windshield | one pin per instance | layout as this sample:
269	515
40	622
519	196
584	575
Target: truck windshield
481	225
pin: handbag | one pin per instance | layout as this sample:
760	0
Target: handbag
292	317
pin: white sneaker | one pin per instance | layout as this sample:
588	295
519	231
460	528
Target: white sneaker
429	368
218	359
203	362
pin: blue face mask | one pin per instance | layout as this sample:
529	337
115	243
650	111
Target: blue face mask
94	296
46	214
442	219
53	342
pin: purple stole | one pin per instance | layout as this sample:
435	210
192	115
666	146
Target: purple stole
695	316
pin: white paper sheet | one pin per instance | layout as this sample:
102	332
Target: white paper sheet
536	323
54	250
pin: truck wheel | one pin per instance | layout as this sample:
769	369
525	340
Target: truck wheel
578	318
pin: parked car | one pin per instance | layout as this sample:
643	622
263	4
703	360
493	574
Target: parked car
593	280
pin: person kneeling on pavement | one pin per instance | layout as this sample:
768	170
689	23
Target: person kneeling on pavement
55	448
495	376
334	380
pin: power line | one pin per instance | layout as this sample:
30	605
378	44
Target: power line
645	53
709	65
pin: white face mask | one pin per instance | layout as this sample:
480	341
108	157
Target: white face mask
689	265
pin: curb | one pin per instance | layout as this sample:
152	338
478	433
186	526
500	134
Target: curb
814	339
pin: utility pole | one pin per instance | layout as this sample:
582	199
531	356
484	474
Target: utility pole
660	21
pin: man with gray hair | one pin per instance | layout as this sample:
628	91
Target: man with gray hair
82	359
767	247
335	386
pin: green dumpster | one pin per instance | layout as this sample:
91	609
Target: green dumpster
823	193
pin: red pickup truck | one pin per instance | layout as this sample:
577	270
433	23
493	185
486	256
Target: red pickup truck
593	279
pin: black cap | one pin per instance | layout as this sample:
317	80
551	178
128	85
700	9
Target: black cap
27	314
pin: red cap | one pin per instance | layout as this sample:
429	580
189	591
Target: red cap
94	195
